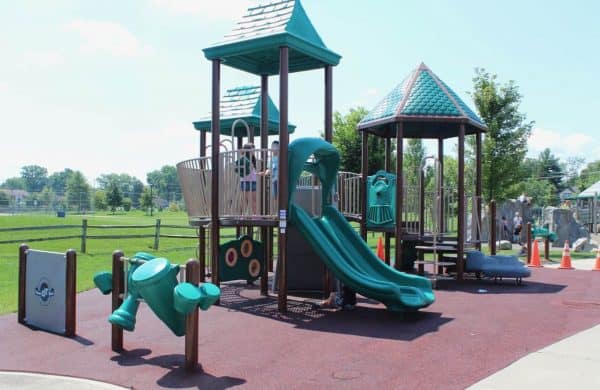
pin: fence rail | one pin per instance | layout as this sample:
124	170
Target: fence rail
85	228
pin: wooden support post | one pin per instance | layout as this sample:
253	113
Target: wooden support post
84	227
441	220
71	294
387	248
22	280
264	144
388	155
399	194
214	190
478	173
529	241
461	204
192	275
363	183
283	176
118	288
547	249
493	224
156	235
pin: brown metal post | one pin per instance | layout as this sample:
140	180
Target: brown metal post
388	154
493	233
399	194
363	183
202	230
547	249
328	103
461	203
387	248
118	287
421	203
216	133
264	144
283	176
22	280
529	241
71	294
478	172
441	162
192	275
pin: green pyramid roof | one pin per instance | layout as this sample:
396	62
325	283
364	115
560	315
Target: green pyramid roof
426	105
243	103
253	45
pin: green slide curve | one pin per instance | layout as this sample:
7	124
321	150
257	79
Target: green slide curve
339	246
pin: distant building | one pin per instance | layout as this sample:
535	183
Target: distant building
567	194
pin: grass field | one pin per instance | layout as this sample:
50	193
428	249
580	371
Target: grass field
99	251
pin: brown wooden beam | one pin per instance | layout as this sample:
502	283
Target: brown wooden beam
493	232
478	172
363	184
216	134
399	194
283	176
388	154
441	216
264	144
71	294
22	281
461	203
192	275
118	287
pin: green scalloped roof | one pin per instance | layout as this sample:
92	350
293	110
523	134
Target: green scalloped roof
421	97
243	103
253	44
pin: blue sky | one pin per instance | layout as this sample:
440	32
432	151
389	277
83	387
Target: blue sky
113	86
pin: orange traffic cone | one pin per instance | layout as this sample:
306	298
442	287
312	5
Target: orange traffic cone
597	265
535	256
380	251
565	263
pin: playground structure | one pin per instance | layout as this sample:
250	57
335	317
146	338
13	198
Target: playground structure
588	207
160	284
278	38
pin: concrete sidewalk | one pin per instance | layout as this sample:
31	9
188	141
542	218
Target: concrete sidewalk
32	381
572	362
583	264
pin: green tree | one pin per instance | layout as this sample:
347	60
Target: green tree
4	199
114	196
146	199
551	169
589	175
14	183
100	200
58	181
35	177
78	191
130	186
48	197
505	143
126	203
165	183
347	139
413	157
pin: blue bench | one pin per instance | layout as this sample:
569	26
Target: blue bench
496	267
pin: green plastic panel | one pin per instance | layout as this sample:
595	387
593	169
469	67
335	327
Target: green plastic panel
241	259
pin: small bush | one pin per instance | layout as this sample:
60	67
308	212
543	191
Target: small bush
173	206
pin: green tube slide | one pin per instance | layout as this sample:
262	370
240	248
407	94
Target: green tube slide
338	245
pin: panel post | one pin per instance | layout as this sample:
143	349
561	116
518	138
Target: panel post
71	293
364	170
478	186
264	144
441	162
283	177
118	287
328	103
22	280
192	275
157	234
493	233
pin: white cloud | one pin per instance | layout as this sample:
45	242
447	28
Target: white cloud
43	58
563	145
107	37
211	10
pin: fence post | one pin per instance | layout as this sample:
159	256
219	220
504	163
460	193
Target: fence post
157	234
84	226
493	233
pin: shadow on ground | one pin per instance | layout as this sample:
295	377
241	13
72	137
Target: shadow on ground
177	377
504	286
364	321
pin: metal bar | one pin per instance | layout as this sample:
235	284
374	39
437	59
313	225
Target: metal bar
328	103
441	189
192	275
363	183
478	181
493	233
283	175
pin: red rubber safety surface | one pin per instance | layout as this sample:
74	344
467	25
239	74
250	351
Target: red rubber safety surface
463	337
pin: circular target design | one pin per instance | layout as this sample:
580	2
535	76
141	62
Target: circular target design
246	248
231	257
254	268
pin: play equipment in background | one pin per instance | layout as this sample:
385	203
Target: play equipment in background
153	280
47	296
241	259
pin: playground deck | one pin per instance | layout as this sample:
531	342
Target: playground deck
463	337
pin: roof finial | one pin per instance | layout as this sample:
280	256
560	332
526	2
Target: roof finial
422	66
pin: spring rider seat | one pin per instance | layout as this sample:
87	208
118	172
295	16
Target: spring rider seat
155	281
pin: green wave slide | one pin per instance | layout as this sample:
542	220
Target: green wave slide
339	246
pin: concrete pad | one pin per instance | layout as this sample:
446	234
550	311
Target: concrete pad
583	264
572	361
33	381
